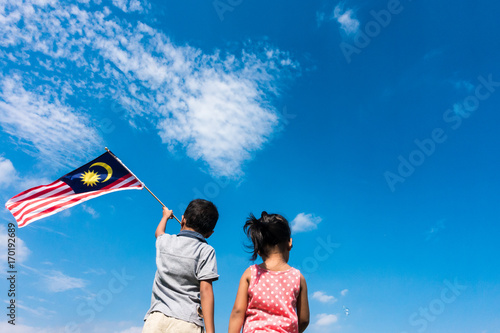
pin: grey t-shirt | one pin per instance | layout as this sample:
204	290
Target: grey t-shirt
182	261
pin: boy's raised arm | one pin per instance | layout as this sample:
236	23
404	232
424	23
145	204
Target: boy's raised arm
207	305
160	229
240	304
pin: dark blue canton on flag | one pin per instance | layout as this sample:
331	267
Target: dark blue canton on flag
93	176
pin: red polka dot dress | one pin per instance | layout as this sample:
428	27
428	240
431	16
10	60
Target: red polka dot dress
272	301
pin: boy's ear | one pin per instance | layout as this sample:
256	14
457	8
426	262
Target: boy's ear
183	220
290	244
209	234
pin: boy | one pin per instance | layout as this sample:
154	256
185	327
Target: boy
186	267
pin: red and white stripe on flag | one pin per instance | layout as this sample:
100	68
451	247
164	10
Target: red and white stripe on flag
45	200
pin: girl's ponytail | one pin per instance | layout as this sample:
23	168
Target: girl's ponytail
269	230
253	229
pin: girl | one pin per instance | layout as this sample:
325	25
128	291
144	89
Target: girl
272	296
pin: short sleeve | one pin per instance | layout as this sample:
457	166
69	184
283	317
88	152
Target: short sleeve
207	266
161	240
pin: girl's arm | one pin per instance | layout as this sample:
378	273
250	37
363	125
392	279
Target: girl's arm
160	229
207	305
303	305
240	304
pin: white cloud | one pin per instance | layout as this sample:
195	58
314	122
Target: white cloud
217	107
91	211
98	271
93	327
323	298
463	85
320	18
56	281
36	311
130	5
20	328
344	292
346	19
9	177
38	226
27	182
7	172
131	330
305	222
42	124
432	233
22	251
324	319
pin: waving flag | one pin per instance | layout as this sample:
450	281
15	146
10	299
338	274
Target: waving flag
101	176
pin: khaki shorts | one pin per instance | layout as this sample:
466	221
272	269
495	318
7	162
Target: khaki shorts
157	322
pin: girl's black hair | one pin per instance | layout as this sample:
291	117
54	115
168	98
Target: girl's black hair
269	230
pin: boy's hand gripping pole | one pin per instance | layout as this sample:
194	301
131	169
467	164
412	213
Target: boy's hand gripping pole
144	185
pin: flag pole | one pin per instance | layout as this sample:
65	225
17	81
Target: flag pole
144	185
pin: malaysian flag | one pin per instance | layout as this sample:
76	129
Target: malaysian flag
101	176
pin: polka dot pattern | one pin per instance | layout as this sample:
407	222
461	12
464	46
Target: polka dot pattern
272	301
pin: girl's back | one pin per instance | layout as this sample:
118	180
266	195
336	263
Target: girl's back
272	300
272	296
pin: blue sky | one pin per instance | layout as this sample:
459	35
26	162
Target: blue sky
371	125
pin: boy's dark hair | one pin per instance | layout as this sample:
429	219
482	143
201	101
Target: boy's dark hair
201	215
269	230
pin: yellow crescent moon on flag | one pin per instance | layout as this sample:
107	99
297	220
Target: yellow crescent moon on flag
105	166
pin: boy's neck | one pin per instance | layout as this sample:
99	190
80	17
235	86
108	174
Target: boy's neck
187	228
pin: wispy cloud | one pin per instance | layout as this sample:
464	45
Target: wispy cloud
36	311
320	18
91	211
42	124
26	182
56	281
96	271
217	107
323	298
94	327
348	23
7	172
344	292
433	232
66	213
20	328
132	330
345	18
325	319
305	222
463	85
433	54
131	5
11	179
